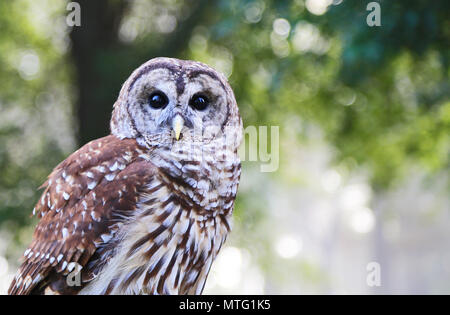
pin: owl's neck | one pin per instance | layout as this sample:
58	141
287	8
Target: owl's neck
208	174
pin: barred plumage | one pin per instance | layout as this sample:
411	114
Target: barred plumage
141	211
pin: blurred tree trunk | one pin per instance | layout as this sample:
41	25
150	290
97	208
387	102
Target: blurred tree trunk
93	40
102	63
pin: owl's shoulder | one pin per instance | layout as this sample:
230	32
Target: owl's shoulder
100	151
100	167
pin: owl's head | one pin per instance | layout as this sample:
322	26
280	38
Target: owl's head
170	101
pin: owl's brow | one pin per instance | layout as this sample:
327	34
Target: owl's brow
158	65
195	73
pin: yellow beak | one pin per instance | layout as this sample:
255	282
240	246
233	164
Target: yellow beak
177	125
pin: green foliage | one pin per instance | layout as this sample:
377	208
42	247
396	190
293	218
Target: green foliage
30	69
380	94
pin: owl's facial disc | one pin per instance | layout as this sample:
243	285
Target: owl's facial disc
170	102
161	109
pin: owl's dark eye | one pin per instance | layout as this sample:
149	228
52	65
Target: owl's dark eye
158	100
199	102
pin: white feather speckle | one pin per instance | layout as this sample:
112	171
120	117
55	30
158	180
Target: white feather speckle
65	233
71	266
95	216
66	196
106	237
114	167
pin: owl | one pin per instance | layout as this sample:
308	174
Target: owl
146	209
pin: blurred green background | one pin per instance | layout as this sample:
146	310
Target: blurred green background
363	112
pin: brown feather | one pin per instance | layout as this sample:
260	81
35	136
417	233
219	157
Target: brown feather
96	219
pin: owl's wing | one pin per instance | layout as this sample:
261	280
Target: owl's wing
86	199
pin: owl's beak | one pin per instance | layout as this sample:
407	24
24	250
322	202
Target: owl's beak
177	125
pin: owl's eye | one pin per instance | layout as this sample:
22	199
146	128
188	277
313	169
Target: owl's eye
199	102
158	100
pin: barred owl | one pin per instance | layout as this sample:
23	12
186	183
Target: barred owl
146	209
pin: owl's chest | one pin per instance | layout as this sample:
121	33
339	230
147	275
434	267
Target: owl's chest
183	239
167	248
